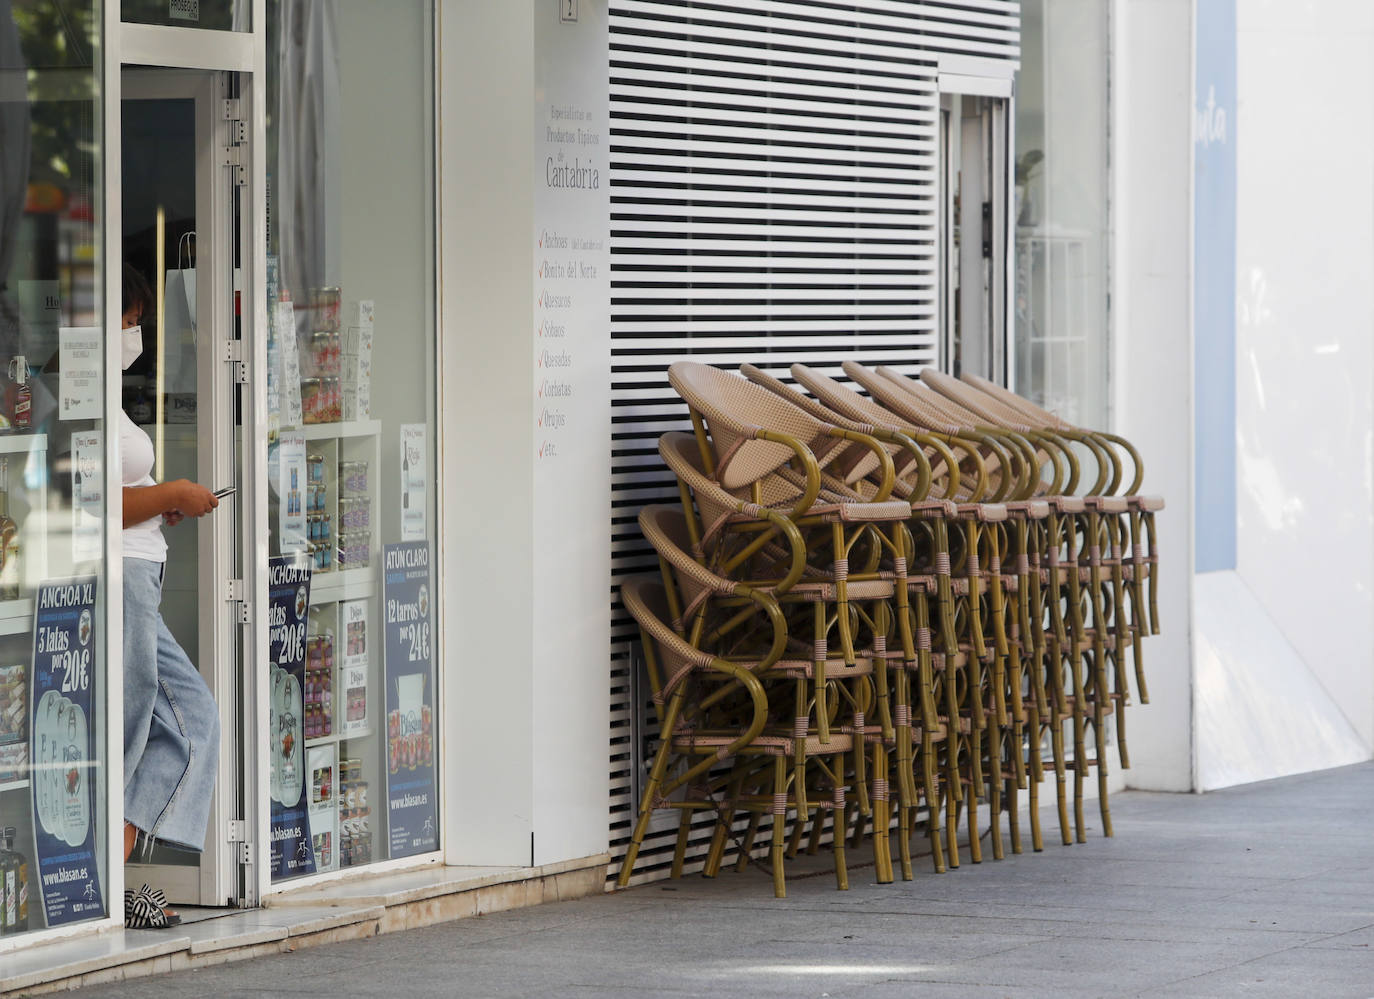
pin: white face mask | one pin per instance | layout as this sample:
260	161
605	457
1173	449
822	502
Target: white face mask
131	346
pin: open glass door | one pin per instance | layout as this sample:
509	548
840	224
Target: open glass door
180	211
973	222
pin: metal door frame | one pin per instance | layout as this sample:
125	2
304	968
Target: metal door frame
985	136
236	861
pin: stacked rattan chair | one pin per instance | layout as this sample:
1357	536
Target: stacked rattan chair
878	605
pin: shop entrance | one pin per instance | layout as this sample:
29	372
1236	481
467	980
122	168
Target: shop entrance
973	225
181	204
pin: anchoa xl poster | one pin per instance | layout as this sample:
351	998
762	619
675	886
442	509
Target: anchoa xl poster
288	605
62	731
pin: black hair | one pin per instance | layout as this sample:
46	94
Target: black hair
137	292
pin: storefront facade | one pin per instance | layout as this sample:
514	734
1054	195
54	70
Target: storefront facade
242	158
420	270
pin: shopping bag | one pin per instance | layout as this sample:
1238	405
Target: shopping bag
179	318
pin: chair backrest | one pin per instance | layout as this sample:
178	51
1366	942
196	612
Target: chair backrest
893	395
733	410
851	463
844	400
1032	413
665	527
988	407
674	658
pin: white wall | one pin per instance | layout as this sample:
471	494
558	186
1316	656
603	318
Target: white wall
526	551
1305	252
486	67
1152	355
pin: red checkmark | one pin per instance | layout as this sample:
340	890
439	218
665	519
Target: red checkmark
541	390
541	298
541	419
541	450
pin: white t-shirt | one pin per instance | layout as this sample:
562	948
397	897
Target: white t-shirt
143	540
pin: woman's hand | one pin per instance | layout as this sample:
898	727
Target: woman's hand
191	499
172	501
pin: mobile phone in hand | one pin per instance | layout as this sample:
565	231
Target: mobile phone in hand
226	491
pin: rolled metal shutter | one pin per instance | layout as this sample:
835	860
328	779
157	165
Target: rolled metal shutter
773	200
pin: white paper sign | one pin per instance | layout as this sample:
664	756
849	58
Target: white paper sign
88	495
291	491
81	353
322	776
291	365
352	690
413	482
40	303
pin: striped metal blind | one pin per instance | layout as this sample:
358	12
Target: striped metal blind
773	200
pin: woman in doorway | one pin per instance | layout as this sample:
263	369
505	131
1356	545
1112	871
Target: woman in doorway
171	722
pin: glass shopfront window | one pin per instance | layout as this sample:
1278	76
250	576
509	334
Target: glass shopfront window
53	636
351	404
1062	234
216	15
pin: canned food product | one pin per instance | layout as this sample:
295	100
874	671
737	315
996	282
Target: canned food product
353	479
324	309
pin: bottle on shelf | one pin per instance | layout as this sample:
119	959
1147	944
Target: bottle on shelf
14	886
19	396
9	540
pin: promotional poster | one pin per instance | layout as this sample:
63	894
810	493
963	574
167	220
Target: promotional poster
412	813
288	604
63	734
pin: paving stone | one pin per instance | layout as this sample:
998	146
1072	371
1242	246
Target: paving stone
1264	890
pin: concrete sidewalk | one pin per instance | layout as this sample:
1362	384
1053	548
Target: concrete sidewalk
1264	890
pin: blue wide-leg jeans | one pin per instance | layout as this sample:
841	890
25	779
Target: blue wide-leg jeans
171	722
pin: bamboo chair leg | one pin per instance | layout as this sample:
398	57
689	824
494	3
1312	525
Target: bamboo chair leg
839	811
813	843
746	849
715	856
933	806
798	831
1036	767
904	816
1061	779
684	831
975	788
882	817
952	831
779	823
1080	833
1013	804
995	797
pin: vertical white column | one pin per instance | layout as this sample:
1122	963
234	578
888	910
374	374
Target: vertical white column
1152	357
486	72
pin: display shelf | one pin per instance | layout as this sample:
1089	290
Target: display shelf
18	443
16	616
322	740
352	428
13	785
342	584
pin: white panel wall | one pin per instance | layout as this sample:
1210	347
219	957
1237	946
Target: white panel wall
1305	357
1152	158
526	552
487	67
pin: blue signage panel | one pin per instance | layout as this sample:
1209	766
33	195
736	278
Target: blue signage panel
63	737
411	801
288	605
